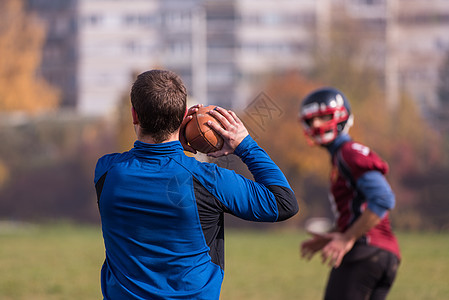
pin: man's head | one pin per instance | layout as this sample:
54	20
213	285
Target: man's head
159	99
325	113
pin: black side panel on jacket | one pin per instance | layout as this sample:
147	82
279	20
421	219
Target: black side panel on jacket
211	212
99	186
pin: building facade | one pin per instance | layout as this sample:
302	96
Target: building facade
116	40
223	48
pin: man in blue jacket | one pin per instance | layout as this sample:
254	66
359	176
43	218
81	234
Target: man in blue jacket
162	211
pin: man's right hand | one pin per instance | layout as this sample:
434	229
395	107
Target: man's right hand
233	132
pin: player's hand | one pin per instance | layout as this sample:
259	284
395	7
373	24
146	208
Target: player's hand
182	129
336	249
233	131
311	246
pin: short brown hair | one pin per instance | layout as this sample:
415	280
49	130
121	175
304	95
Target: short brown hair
159	98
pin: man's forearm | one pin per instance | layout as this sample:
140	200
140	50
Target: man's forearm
362	225
267	173
263	169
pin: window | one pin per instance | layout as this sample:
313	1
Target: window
92	20
142	20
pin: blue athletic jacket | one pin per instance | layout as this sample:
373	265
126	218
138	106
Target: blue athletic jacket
162	217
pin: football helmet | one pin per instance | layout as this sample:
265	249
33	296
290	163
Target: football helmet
334	111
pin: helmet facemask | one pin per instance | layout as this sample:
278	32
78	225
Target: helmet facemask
334	119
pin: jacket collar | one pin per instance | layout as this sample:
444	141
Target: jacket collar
141	148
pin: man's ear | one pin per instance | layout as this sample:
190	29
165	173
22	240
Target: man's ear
135	117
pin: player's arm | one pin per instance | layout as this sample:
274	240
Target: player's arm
380	199
268	174
270	181
379	196
361	226
341	243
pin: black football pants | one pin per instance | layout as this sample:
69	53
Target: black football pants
367	278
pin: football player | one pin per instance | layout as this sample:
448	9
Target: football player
361	249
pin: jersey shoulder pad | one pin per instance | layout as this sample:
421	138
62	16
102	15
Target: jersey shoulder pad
360	159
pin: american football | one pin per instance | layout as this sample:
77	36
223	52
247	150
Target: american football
199	135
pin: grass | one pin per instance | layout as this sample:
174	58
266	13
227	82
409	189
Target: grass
50	262
424	268
62	261
266	265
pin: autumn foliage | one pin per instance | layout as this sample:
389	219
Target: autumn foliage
281	134
21	40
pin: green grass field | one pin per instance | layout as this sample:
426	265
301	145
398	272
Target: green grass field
63	262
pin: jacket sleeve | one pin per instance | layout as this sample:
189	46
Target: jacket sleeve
268	198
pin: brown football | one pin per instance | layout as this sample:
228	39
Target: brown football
199	135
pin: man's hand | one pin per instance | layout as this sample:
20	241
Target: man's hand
182	129
233	132
313	245
339	244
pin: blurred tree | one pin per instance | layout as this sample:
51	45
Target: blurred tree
443	87
125	129
281	134
21	40
442	114
124	122
4	174
273	122
345	55
49	164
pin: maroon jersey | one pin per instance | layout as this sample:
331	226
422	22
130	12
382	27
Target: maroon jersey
349	164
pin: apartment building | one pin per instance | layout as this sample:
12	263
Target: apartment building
222	48
272	37
420	43
412	45
116	40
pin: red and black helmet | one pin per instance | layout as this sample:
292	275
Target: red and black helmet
325	102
